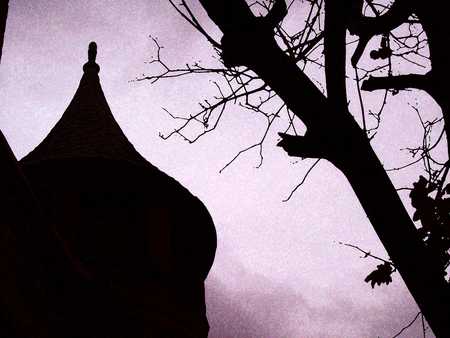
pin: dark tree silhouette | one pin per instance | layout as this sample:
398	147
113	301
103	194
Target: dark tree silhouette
258	45
3	16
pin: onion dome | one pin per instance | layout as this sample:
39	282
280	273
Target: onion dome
141	245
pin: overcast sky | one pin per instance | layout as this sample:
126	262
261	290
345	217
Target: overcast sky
279	271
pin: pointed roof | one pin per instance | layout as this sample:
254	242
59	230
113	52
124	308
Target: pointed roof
87	128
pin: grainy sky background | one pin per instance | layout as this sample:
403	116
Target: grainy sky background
279	271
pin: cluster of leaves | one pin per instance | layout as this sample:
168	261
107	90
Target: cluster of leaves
431	199
432	203
382	274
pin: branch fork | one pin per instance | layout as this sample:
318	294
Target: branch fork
251	36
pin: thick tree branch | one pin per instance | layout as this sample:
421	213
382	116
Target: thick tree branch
301	146
228	15
399	82
380	24
276	14
254	47
367	27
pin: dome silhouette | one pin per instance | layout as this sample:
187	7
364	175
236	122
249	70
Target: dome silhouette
137	244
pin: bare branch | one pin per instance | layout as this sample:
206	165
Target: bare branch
367	254
190	17
303	180
407	326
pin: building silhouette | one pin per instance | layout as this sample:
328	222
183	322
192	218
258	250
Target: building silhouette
128	247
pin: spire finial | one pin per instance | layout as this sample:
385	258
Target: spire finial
91	66
92	52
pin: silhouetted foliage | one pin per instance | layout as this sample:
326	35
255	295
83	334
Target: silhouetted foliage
381	275
266	60
433	212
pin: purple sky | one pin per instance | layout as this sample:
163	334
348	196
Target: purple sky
279	272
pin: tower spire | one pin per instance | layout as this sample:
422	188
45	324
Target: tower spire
91	66
87	128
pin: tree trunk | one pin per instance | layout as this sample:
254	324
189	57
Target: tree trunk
396	231
374	189
333	134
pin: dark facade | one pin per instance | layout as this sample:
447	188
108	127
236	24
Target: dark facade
136	245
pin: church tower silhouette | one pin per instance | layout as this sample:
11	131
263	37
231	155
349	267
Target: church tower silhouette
137	245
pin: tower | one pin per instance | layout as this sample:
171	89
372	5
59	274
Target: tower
139	245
